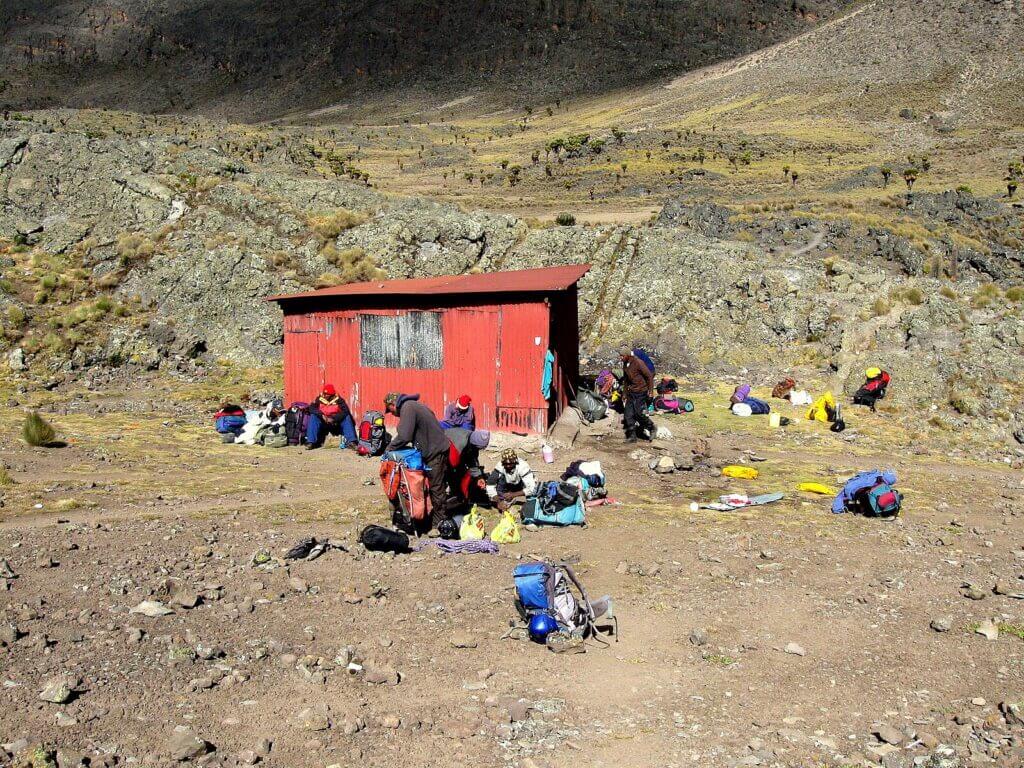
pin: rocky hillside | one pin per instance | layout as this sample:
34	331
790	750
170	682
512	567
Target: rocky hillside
261	58
157	252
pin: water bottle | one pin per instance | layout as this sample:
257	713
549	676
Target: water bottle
548	453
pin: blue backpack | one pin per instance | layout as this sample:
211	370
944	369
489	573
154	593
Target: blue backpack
645	358
757	407
410	458
552	589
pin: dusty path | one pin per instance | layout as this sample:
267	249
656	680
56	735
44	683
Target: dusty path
856	595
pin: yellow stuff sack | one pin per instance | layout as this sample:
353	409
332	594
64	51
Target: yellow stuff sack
507	530
472	528
823	409
745	473
816	488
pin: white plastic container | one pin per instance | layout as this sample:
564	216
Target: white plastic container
548	453
774	420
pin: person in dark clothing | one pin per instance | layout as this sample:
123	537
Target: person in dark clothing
638	383
466	476
418	427
329	414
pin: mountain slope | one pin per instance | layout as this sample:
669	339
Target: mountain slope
259	58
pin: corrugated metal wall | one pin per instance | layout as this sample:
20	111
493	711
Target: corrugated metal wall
494	353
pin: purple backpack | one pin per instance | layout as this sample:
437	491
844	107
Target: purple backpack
295	422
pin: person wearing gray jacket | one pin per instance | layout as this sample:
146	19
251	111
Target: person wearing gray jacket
419	428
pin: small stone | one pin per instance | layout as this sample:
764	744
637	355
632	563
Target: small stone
185	598
298	585
519	710
248	757
381	675
315	718
64	720
351	723
133	635
889	735
928	740
988	629
287	660
978	701
463	640
184	745
972	592
151	608
795	649
699	637
622	567
664	466
45	561
942	623
59	690
390	720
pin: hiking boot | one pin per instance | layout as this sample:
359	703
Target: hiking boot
630	438
565	642
310	447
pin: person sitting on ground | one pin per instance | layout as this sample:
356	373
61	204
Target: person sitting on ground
459	414
512	479
872	390
638	382
419	428
229	420
466	476
742	403
269	420
329	414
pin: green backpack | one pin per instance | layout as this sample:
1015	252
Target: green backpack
275	440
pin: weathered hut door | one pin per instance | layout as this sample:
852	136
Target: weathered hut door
472	365
304	362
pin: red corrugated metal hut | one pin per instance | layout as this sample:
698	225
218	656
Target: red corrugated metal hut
484	335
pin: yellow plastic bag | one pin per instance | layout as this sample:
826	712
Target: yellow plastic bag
816	488
745	473
507	530
823	409
472	528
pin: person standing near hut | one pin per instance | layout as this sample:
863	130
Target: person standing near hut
639	385
418	427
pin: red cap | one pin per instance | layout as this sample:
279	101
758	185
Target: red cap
464	402
330	390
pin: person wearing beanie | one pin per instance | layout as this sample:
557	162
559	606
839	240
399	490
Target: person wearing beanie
639	389
418	428
459	414
512	479
466	474
329	415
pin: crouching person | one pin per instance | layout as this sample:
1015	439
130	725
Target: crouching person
329	414
465	474
511	480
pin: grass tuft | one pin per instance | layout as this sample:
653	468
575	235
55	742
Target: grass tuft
37	431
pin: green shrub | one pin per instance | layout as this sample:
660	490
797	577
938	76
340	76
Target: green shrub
331	225
5	476
36	430
948	292
1015	294
881	307
565	220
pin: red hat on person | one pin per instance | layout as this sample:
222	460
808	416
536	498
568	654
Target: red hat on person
330	390
464	402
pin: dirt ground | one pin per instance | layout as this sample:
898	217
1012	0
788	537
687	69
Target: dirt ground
782	635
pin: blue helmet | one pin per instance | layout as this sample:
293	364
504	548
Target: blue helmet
541	626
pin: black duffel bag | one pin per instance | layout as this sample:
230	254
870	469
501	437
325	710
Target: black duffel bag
376	538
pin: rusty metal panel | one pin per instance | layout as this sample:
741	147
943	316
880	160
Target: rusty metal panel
471	360
546	279
303	368
523	342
